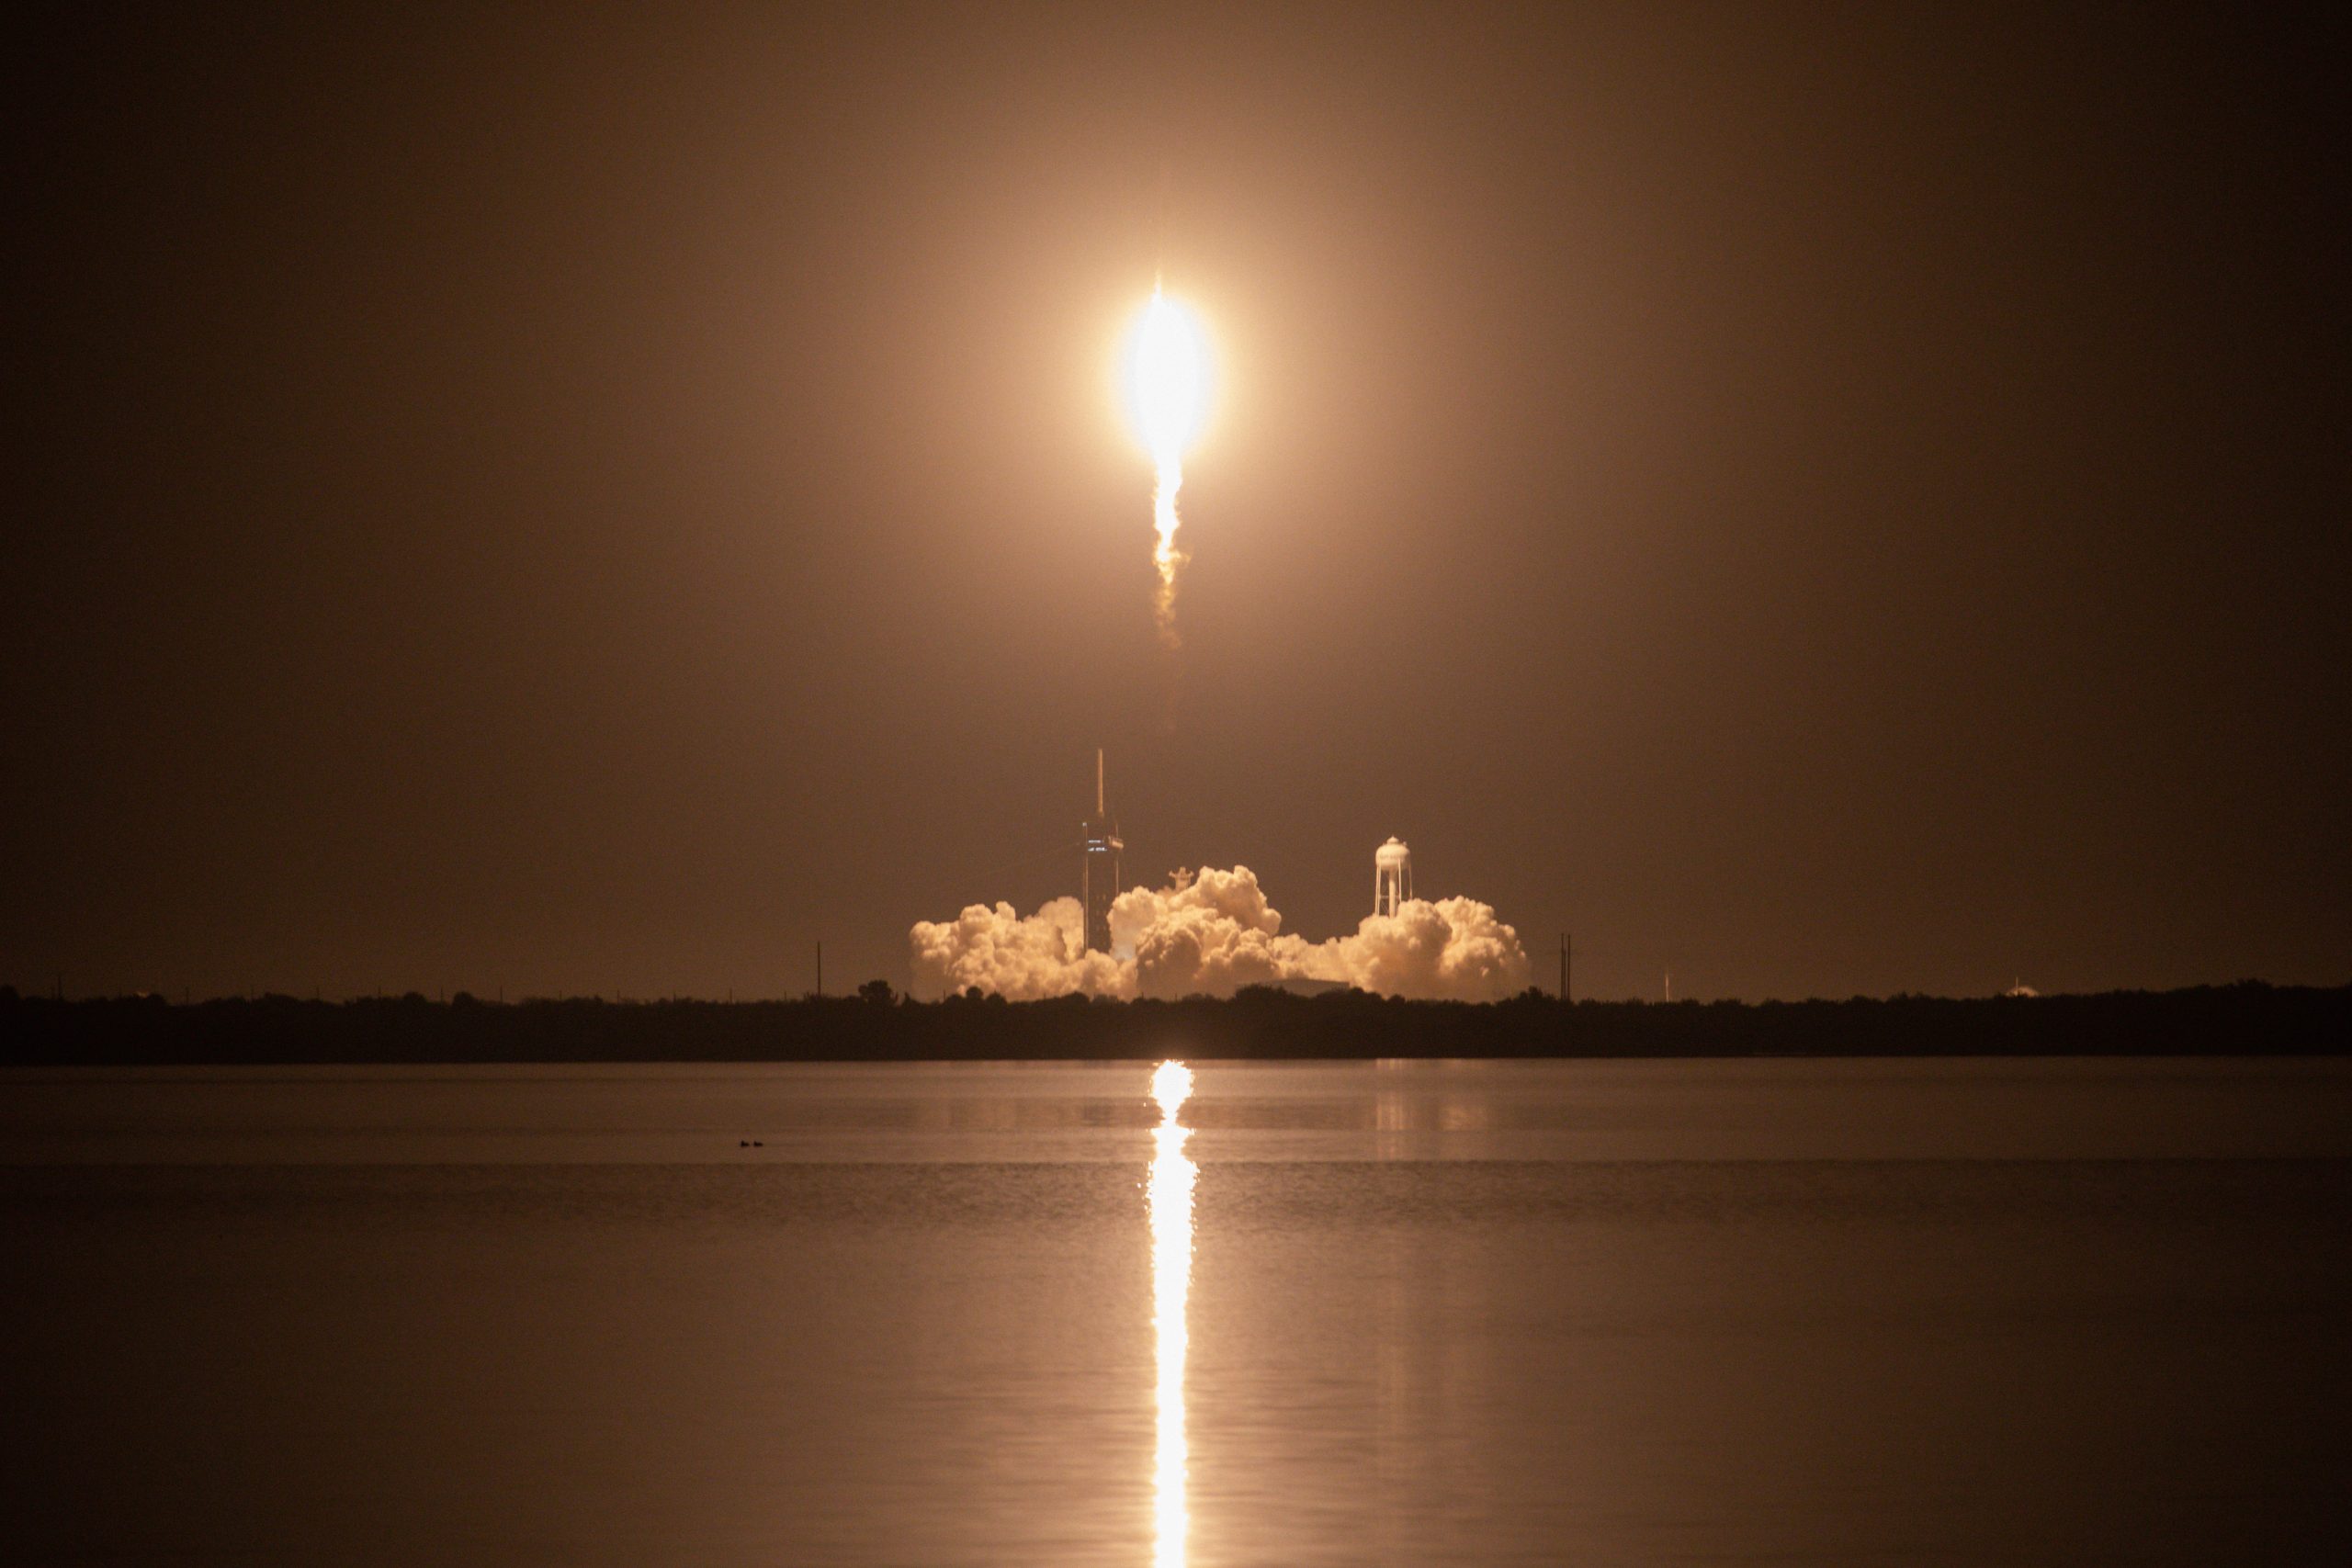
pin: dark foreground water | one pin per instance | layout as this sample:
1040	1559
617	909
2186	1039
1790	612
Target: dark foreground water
1477	1313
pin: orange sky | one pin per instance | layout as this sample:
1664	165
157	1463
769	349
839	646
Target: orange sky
1828	499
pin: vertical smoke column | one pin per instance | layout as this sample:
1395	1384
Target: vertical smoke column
1169	383
1170	1197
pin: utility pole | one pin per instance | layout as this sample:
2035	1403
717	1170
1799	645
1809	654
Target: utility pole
1563	966
820	968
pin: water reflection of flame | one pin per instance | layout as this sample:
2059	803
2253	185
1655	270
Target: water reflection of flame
1172	1281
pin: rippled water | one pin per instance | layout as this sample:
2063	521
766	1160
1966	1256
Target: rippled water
1474	1313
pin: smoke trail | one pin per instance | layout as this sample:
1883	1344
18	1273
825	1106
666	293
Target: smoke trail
1169	386
1165	555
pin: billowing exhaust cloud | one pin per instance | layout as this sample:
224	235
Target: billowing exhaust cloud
1212	934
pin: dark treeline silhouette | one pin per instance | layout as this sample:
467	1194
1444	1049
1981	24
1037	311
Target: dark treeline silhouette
2246	1018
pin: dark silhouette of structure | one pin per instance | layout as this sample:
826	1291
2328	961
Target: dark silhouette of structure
2244	1020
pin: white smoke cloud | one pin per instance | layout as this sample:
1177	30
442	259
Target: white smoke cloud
1214	933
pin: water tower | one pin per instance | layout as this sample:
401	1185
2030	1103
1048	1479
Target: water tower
1392	877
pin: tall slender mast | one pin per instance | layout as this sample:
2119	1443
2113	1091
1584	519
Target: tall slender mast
1100	884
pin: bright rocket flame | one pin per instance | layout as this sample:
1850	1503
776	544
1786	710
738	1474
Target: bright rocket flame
1167	387
1170	1198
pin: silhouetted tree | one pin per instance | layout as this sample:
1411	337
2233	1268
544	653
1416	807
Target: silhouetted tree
2243	1020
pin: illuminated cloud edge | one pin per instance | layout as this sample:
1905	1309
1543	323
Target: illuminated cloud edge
1211	934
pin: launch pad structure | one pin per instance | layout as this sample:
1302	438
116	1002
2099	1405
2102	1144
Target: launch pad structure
1100	881
1392	871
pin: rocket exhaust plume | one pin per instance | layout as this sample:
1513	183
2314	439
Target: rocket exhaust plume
1167	393
1210	934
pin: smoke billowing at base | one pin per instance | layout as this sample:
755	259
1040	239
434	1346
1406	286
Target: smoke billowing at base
1210	934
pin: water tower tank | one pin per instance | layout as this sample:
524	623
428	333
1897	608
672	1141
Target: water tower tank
1392	877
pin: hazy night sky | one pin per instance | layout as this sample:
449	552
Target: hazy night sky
1830	501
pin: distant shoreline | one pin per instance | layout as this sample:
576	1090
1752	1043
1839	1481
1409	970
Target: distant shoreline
2248	1018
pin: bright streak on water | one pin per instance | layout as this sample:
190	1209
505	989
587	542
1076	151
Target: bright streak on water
1170	1193
1755	1313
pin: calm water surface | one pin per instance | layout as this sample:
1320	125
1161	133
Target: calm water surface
1434	1313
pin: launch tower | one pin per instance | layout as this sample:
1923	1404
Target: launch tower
1102	879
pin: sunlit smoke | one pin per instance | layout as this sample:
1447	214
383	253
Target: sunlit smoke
1210	934
1168	386
1170	1201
